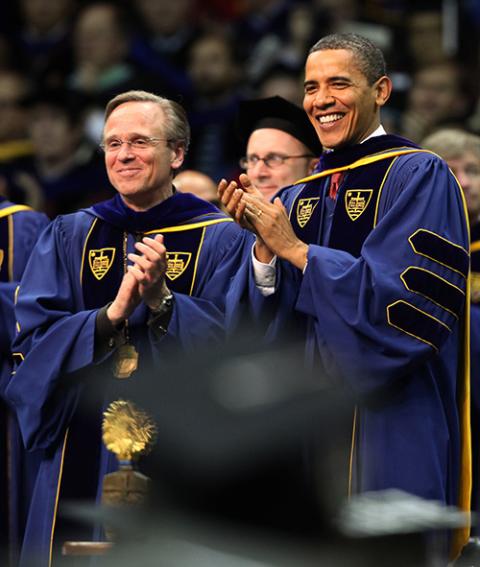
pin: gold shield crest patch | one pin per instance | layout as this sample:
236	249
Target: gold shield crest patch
100	261
356	202
177	263
2	254
305	208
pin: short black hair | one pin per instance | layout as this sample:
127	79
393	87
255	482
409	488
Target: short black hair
369	57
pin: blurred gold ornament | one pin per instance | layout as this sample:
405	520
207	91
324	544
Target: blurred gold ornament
127	430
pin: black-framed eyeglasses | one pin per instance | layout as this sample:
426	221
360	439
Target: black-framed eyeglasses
138	143
270	160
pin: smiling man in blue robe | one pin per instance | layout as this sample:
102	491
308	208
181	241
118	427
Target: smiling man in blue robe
108	288
368	260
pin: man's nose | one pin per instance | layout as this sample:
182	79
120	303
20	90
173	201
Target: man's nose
324	98
125	151
260	168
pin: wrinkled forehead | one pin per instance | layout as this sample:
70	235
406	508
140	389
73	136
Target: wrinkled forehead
272	140
142	117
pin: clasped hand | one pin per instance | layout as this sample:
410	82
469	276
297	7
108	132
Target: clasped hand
143	281
269	221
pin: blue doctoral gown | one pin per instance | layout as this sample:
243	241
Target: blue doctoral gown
19	230
75	269
382	309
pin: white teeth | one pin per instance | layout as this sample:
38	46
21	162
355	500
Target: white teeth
330	118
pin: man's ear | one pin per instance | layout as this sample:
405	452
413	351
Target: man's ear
383	89
178	156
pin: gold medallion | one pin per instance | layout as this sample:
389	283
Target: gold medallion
126	361
128	431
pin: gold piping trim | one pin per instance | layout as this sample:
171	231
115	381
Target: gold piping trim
460	536
352	452
434	259
361	162
14	209
411	334
181	228
85	248
54	521
14	354
10	249
375	218
426	296
196	260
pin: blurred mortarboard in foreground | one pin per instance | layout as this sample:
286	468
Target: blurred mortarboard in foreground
277	112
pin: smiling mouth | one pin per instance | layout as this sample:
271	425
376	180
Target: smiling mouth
128	172
330	118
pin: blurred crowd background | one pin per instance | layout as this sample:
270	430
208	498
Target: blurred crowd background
62	60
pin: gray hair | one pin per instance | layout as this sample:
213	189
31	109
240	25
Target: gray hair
367	55
451	143
176	126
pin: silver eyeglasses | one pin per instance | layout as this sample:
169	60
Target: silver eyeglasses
138	143
271	160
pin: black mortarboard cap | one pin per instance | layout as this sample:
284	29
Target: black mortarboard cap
277	112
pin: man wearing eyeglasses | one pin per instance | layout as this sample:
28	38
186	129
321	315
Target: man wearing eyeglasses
281	144
107	291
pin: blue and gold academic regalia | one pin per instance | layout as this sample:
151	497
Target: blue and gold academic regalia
76	269
19	230
382	305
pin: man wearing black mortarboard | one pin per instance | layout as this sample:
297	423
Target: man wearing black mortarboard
281	144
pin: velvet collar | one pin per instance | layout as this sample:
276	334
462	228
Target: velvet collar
349	154
179	209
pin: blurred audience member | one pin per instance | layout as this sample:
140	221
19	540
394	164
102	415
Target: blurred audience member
260	19
102	68
42	43
281	81
65	172
215	73
439	96
197	183
13	120
303	25
424	36
281	144
167	31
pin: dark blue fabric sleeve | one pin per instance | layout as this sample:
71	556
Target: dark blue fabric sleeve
58	338
199	319
370	309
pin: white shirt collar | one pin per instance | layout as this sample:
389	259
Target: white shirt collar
380	131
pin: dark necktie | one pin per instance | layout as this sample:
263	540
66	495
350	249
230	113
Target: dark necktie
335	181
